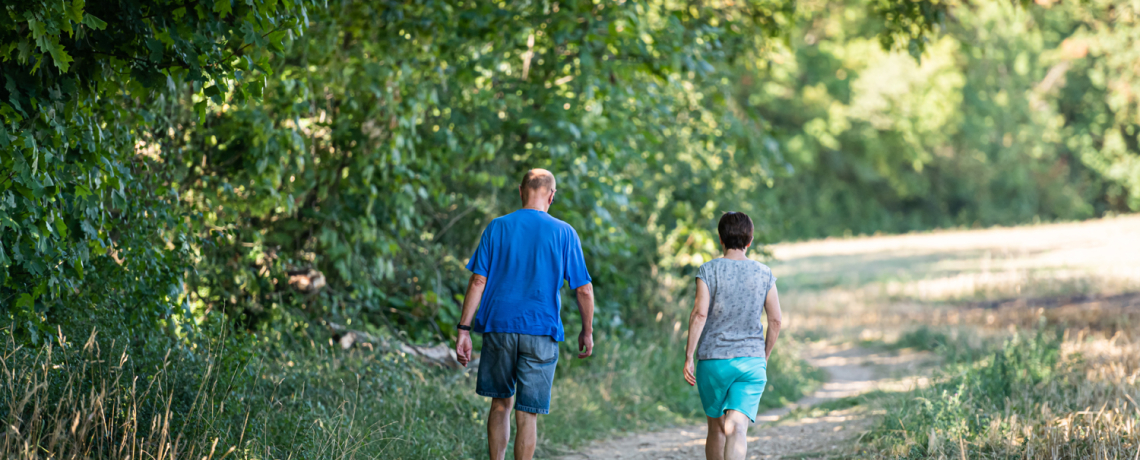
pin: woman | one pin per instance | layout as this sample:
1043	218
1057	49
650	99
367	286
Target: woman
730	342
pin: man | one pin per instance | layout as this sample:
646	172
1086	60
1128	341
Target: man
517	273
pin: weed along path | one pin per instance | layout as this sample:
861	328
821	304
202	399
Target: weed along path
807	428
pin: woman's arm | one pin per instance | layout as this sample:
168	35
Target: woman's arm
696	326
775	317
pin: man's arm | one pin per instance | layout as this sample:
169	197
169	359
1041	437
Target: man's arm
585	296
470	305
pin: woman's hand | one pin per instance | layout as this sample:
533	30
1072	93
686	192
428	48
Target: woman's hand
690	372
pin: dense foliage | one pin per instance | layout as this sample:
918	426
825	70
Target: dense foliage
87	214
164	160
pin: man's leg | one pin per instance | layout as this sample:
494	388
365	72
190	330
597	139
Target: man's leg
496	380
526	435
538	357
714	444
735	435
499	428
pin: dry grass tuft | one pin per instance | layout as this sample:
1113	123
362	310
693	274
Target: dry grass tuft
91	403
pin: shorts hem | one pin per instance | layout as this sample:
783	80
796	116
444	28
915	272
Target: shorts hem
555	334
751	417
492	394
533	410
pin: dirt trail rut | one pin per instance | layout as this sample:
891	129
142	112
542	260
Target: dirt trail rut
852	370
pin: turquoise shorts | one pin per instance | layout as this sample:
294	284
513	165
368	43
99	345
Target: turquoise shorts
735	384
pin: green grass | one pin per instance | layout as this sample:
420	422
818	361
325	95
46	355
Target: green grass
240	396
1019	399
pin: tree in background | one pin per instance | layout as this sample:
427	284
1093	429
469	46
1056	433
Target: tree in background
985	129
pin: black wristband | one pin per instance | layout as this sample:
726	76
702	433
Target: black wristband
463	328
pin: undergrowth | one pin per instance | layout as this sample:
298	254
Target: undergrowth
1024	398
243	396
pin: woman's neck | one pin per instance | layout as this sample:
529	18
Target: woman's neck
736	254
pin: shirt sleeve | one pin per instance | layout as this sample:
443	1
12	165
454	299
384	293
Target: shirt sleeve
771	283
480	263
703	275
576	273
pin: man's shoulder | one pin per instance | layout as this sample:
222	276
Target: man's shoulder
528	219
560	224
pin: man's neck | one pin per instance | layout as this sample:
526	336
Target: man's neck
536	207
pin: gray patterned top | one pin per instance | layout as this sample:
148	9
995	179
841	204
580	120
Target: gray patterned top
737	289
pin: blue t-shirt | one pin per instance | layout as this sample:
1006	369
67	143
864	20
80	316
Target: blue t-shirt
525	256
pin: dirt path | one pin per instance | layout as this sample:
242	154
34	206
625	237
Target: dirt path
852	370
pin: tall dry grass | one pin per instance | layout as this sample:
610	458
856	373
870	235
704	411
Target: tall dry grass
62	403
1036	396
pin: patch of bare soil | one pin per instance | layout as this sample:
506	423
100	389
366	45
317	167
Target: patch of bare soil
852	371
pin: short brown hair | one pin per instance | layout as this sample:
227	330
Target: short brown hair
735	229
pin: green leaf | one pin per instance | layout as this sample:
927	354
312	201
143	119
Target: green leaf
200	107
25	301
76	10
223	8
93	22
156	47
214	93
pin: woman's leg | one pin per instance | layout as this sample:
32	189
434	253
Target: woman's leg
714	444
735	435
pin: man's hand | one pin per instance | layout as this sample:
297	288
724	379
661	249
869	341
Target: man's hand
463	348
585	344
690	372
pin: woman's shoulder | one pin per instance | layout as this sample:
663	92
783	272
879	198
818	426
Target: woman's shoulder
761	266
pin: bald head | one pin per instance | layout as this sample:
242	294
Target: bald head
537	189
537	180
